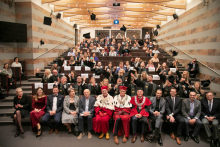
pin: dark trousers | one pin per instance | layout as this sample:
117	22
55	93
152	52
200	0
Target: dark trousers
193	73
197	126
57	120
215	128
118	120
180	123
81	123
142	121
158	121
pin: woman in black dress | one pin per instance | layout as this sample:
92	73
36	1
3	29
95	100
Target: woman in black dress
45	77
72	77
21	105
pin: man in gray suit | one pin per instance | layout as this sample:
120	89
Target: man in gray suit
191	111
157	110
86	110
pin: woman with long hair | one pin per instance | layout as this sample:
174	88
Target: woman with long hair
199	92
7	70
45	77
143	76
39	105
150	64
72	61
155	58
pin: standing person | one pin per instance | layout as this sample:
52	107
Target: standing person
21	105
70	111
173	114
191	111
104	107
54	109
157	111
16	63
86	111
38	104
210	114
147	36
122	115
140	113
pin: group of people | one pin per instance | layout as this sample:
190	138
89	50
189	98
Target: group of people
139	111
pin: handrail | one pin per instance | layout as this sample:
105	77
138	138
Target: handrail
53	48
192	58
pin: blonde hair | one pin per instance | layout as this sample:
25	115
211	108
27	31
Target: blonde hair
187	76
143	72
18	89
47	70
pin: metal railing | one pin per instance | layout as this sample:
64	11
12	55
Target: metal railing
192	58
53	48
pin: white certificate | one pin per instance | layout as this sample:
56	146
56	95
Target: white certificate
36	85
96	76
85	75
67	67
156	77
77	67
132	68
87	68
173	70
50	85
151	69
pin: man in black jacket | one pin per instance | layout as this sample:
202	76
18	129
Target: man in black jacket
86	110
54	108
210	114
173	114
193	68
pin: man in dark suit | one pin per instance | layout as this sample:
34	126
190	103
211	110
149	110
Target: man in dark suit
86	110
193	68
55	78
54	108
63	86
210	114
103	53
191	111
173	114
150	54
157	110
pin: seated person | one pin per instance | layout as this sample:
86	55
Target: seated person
97	49
38	104
155	58
112	52
139	114
54	108
63	86
16	63
147	41
150	45
91	47
93	87
95	57
185	75
173	64
71	111
106	49
55	66
150	64
72	77
98	69
193	68
45	77
55	78
119	36
141	68
85	46
71	52
143	76
96	40
121	66
21	104
150	54
136	63
210	115
155	51
127	66
103	53
86	111
134	47
200	94
133	38
119	48
72	62
147	36
162	70
112	44
7	70
191	115
145	46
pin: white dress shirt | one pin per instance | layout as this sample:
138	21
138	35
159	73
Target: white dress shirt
147	36
54	107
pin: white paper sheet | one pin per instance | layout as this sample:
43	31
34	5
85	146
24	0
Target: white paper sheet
173	70
50	85
87	68
67	68
151	69
85	75
77	67
156	77
96	76
36	85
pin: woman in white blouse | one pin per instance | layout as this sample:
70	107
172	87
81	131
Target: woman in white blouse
16	63
155	51
112	52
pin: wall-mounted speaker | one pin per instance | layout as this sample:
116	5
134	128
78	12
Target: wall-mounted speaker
58	15
47	21
75	26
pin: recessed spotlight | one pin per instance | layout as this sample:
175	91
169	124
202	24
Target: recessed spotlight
164	5
152	9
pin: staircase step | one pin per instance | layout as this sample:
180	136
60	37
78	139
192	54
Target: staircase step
13	93
8	99
6	105
27	83
31	76
47	67
26	88
7	112
34	80
6	120
194	79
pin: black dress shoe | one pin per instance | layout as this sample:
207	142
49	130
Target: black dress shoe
160	142
212	143
195	139
17	133
186	138
40	133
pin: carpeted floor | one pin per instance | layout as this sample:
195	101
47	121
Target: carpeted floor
66	140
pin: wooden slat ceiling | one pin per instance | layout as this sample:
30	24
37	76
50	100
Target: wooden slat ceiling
131	13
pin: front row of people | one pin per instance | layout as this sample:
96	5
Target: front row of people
139	110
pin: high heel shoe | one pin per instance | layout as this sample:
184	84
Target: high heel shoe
22	132
40	133
17	133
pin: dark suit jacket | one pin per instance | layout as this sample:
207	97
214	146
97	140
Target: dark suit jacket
186	108
82	104
148	54
60	99
191	66
25	102
215	109
177	107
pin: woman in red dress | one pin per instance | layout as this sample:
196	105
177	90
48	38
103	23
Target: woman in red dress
38	104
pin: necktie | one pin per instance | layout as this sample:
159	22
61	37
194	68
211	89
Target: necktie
210	108
173	103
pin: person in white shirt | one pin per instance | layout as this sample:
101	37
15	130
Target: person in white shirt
112	51
155	51
119	36
71	53
147	36
134	47
16	63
